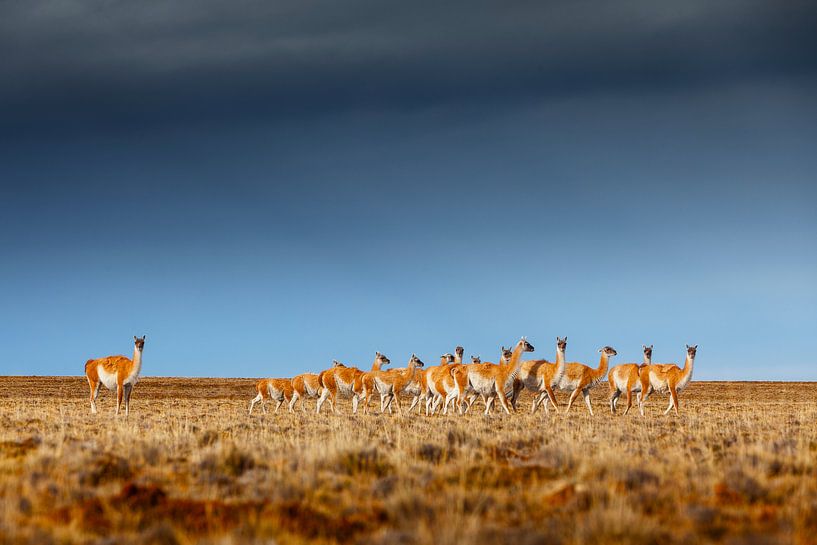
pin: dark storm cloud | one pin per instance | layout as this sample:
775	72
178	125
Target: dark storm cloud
149	62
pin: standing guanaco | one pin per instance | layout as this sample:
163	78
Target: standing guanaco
116	373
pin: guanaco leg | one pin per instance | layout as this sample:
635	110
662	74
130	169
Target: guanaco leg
586	395
570	401
129	389
120	392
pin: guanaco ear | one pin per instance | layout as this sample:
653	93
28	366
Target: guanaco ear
687	347
135	338
600	349
643	346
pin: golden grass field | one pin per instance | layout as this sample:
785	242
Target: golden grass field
738	466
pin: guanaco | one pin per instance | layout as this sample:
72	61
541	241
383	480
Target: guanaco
391	384
625	377
457	386
304	386
441	384
368	380
418	389
579	378
471	397
494	380
541	376
116	373
277	389
667	378
344	380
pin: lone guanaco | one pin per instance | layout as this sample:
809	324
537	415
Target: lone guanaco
116	373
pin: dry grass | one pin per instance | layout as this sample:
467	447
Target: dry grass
189	465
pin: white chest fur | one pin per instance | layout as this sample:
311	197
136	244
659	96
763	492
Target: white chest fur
106	378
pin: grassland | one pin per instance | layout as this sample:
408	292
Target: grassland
738	466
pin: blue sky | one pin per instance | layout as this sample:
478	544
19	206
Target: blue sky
369	184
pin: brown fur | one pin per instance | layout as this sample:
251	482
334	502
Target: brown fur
329	382
670	374
630	374
500	375
543	375
300	390
581	377
397	380
277	389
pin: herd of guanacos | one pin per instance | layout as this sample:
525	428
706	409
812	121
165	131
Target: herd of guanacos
451	385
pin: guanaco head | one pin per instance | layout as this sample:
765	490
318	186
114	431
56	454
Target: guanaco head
526	346
507	354
561	344
414	360
446	358
647	351
139	342
382	359
608	351
476	359
459	351
336	363
691	350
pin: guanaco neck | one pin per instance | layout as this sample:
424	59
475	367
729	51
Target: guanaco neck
687	370
560	361
409	373
137	361
457	358
602	368
516	361
647	359
376	364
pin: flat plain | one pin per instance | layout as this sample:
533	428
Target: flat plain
189	465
